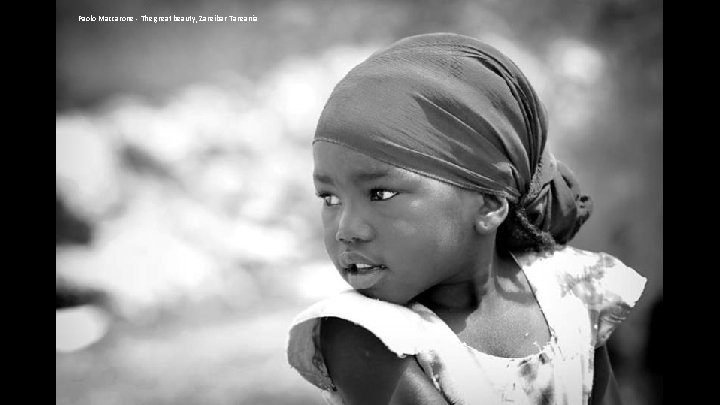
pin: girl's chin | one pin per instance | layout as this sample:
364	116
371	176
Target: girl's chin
383	296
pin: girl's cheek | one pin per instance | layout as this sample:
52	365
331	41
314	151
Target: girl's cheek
406	228
329	228
408	220
328	217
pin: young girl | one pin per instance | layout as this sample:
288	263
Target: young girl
449	217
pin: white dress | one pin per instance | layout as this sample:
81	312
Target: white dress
583	295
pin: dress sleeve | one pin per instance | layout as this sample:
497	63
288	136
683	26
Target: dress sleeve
608	288
398	327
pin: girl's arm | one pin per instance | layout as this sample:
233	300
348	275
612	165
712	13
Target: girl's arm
605	388
366	372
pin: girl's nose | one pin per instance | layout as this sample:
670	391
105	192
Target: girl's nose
353	228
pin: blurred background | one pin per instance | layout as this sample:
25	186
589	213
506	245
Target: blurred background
187	231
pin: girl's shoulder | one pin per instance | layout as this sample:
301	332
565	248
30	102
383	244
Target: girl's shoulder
606	287
351	321
592	276
381	349
367	371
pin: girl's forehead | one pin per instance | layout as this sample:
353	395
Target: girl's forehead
335	163
339	165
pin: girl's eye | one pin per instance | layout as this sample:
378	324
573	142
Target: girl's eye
379	194
330	199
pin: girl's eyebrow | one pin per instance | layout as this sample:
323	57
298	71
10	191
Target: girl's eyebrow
360	176
321	178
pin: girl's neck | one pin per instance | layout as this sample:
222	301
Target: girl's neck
490	277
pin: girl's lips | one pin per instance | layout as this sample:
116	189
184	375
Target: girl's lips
361	280
348	259
360	271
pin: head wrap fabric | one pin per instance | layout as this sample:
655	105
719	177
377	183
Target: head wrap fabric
455	109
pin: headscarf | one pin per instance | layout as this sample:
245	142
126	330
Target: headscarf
455	109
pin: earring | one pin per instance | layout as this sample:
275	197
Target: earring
483	227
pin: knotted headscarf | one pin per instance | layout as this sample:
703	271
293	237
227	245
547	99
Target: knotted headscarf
455	109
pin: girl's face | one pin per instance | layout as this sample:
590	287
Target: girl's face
392	233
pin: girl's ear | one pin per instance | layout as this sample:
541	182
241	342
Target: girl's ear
492	213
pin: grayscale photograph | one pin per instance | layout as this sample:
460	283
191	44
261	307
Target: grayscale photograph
320	202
